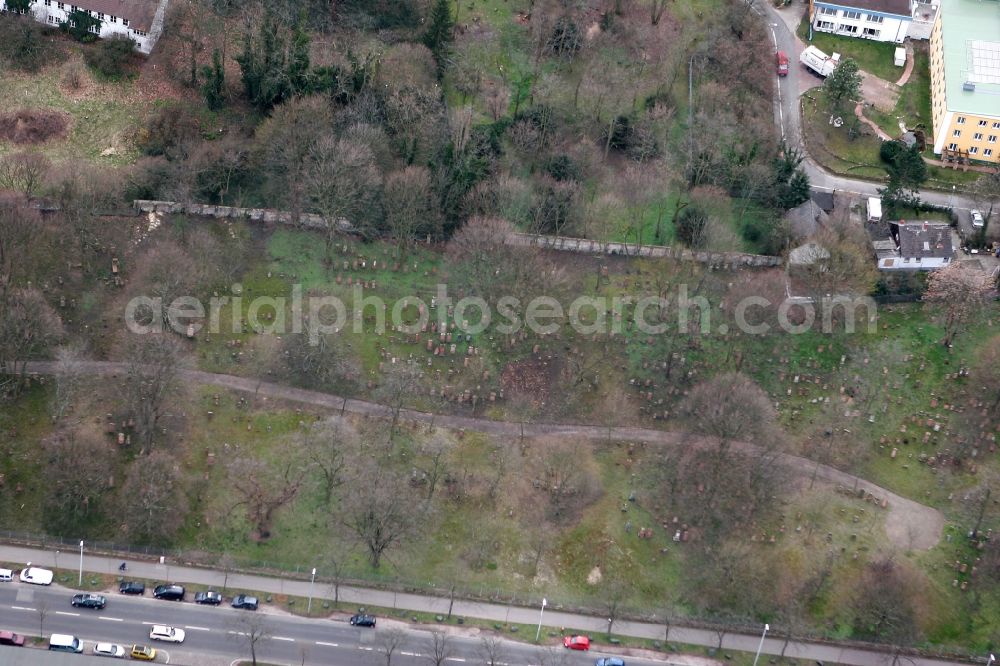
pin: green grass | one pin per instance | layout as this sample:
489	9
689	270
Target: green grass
873	57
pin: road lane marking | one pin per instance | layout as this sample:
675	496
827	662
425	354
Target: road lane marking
284	638
22	608
111	619
454	659
237	633
66	613
187	626
149	624
328	644
362	647
410	654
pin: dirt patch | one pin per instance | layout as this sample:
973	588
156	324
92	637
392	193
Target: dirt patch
33	126
878	92
529	378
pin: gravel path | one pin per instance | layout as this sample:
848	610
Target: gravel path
909	524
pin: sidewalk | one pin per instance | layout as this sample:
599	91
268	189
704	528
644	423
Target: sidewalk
826	653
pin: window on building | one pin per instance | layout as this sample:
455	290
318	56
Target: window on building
992	138
851	15
957	133
961	120
124	21
996	125
48	3
60	5
988	152
94	29
872	18
850	29
829	11
53	20
872	32
973	150
952	146
113	19
100	16
978	136
824	25
983	123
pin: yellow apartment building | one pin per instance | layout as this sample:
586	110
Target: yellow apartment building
965	79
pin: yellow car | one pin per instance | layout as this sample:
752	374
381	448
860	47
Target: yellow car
143	653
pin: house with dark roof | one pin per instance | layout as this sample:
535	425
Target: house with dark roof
880	20
915	246
139	20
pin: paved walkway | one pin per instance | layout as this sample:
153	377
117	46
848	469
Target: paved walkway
908	524
860	113
853	655
908	69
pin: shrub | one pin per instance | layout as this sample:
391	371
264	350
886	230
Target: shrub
32	126
73	76
111	57
562	167
23	44
168	126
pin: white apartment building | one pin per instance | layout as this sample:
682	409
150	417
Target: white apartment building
141	20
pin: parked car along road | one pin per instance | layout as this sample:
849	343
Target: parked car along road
109	650
977	219
245	602
142	653
35	575
169	592
209	597
610	661
10	638
89	601
132	587
160	632
363	620
576	642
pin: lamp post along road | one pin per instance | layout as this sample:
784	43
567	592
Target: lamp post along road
311	581
761	645
80	583
542	613
990	661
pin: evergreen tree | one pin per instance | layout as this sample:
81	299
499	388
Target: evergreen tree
19	6
843	84
440	33
215	82
298	65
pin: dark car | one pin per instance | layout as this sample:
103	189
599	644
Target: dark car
132	587
363	620
209	597
169	592
89	601
245	602
610	661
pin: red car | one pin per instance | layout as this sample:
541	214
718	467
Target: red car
782	62
10	638
576	642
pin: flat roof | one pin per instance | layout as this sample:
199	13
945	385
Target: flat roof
970	39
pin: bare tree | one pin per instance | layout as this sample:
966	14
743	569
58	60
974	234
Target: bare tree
409	208
250	630
389	642
400	382
614	595
959	291
70	379
76	477
439	648
264	486
154	502
492	650
29	328
167	272
342	181
20	227
324	443
883	607
23	172
334	564
151	381
656	9
42	609
433	463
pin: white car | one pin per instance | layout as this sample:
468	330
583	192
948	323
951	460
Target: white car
109	650
36	576
977	218
161	632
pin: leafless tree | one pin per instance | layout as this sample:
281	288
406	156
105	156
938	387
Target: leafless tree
166	272
334	564
250	630
656	9
569	483
439	648
324	443
70	379
264	486
29	328
20	227
492	650
23	172
613	595
399	383
342	181
42	610
883	606
959	291
76	477
433	461
409	208
321	361
151	381
154	502
389	642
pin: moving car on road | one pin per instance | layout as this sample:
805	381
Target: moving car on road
576	642
109	650
209	597
610	661
89	601
132	587
245	602
161	632
10	638
35	575
363	620
781	60
169	592
142	653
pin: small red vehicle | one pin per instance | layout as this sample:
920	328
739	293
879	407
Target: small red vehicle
782	61
576	642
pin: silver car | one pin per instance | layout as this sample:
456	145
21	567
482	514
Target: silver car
977	219
109	650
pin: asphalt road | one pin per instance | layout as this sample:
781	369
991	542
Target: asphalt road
218	634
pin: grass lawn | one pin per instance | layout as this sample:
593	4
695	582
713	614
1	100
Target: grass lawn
914	104
832	146
871	56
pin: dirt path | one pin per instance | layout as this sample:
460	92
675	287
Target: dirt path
909	524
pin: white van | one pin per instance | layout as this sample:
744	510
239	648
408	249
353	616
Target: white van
65	643
6	575
35	575
874	209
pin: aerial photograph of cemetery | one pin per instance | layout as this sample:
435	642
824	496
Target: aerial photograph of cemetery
536	332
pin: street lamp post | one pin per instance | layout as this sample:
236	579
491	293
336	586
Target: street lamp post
990	661
542	612
311	581
81	563
761	645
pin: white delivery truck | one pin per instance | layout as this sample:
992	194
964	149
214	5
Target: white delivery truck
874	209
818	61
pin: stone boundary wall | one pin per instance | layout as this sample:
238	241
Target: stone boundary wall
556	243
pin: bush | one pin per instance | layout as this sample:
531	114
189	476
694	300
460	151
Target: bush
28	126
167	127
23	43
111	57
561	167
